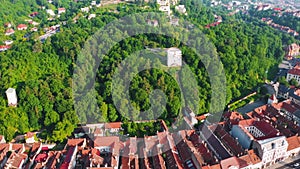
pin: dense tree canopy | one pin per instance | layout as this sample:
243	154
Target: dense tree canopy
42	72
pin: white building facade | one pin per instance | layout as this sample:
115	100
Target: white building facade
271	150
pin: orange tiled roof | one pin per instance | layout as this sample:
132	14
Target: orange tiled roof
113	125
74	142
293	143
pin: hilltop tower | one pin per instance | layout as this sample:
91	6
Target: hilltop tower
11	97
174	57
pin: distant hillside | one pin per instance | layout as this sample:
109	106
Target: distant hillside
16	10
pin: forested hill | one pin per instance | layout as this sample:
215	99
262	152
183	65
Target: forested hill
42	72
16	10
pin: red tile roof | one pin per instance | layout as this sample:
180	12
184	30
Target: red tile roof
277	9
233	117
33	14
294	72
254	158
113	125
71	150
229	142
9	30
230	162
249	159
61	9
75	142
98	131
41	157
286	105
293	143
263	126
20	26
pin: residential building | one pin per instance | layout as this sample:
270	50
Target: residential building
16	160
4	47
34	29
113	127
294	73
164	6
33	14
293	50
109	149
4	149
152	22
50	12
9	32
8	42
21	27
174	21
91	16
293	146
181	9
271	150
93	3
247	131
61	10
85	9
70	158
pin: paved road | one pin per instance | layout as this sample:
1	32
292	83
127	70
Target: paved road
250	107
287	164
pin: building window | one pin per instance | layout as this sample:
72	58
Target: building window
273	145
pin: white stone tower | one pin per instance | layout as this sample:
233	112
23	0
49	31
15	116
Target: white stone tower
11	97
174	57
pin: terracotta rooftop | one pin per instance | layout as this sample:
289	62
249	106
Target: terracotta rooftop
293	143
35	147
294	72
52	159
285	105
214	143
230	162
97	131
113	125
233	117
263	126
15	160
22	26
249	159
228	140
109	141
75	142
17	147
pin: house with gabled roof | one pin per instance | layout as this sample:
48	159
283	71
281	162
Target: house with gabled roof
294	73
21	27
109	147
16	160
9	31
61	10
